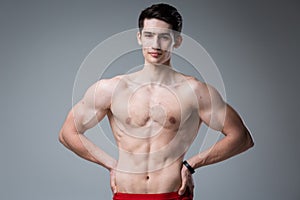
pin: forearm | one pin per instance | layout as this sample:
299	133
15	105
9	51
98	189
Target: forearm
229	146
84	148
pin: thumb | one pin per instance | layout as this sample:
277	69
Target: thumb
182	189
113	182
114	189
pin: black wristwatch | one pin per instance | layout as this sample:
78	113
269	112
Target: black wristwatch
189	167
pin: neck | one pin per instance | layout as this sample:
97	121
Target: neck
160	74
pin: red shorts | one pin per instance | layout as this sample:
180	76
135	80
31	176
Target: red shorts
163	196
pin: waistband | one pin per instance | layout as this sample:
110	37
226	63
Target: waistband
161	196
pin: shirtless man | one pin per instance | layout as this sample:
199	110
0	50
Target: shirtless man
154	114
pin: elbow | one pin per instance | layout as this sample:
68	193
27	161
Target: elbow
249	143
244	140
61	137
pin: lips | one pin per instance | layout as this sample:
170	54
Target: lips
155	54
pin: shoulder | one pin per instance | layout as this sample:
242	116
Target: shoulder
100	93
197	85
111	82
204	91
106	85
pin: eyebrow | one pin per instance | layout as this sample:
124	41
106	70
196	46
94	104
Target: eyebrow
152	33
147	32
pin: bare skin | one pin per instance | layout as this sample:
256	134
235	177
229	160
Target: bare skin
155	115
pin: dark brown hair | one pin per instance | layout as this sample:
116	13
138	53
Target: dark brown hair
164	12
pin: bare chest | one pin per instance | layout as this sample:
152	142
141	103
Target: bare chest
150	105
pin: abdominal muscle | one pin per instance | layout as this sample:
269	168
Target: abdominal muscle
151	165
163	180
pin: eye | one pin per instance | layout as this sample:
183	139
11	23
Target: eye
165	37
148	35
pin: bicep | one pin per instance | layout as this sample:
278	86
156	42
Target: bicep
219	115
233	122
84	116
91	108
212	108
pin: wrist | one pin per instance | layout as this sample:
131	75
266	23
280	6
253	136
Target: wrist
112	165
188	167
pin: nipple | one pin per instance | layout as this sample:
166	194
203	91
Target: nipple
128	120
172	120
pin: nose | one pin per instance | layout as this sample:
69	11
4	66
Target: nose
155	43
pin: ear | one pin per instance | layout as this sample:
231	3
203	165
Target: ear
178	41
139	38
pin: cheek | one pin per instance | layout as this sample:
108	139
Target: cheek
145	51
146	44
167	46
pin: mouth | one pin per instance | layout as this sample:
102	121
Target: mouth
155	54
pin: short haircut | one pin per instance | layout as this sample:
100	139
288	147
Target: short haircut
164	12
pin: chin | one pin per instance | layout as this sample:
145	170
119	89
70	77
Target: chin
158	61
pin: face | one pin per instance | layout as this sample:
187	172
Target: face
157	40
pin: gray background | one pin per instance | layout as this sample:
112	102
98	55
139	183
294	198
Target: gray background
255	44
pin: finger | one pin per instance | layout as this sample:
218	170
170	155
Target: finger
189	185
182	189
114	189
113	182
190	189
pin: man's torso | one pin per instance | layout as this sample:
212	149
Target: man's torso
154	125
